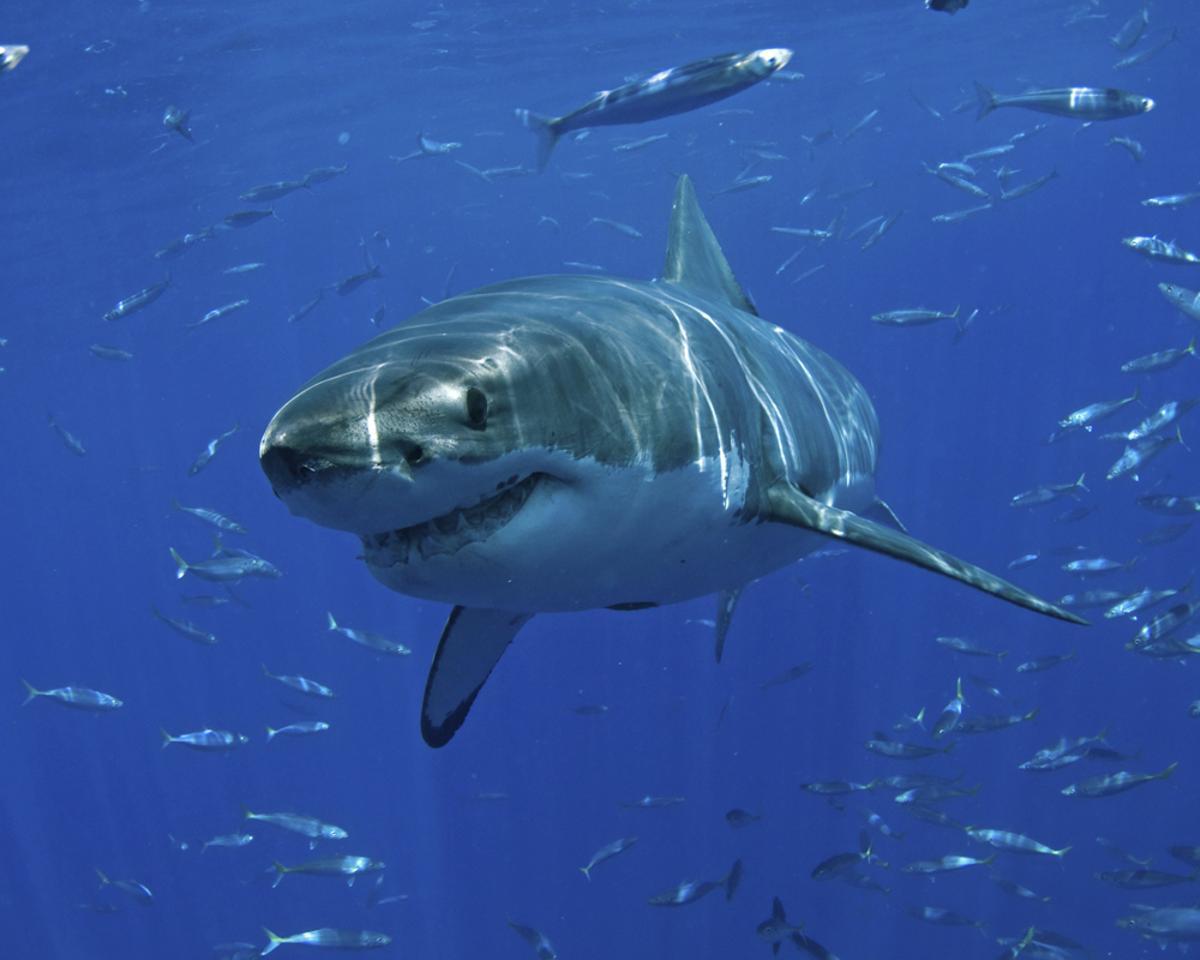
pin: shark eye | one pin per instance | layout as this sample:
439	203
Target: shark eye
477	408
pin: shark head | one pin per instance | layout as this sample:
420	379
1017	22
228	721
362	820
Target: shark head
422	444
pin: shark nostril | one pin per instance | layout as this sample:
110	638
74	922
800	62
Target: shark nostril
414	453
285	466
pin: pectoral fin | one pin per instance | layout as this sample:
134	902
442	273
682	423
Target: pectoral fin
786	504
471	645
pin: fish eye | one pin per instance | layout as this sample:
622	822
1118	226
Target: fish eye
477	408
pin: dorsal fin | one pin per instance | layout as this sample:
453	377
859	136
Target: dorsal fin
694	258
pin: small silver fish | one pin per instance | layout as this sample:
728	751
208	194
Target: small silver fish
373	641
622	228
81	698
302	728
228	840
210	451
218	520
207	740
110	353
607	852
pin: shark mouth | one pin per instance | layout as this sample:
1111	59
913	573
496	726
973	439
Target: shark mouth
449	533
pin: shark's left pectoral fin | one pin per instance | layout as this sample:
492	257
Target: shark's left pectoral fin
786	504
471	645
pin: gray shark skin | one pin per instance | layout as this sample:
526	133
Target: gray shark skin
575	442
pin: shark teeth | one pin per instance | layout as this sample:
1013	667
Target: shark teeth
449	533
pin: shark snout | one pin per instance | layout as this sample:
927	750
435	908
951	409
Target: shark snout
288	468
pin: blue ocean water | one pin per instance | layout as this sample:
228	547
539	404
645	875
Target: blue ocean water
493	827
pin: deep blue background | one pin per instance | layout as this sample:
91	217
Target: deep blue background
92	185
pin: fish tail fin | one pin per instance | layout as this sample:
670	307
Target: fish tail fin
104	881
180	563
987	100
1032	714
267	673
1179	437
247	813
587	872
332	623
271	731
957	308
1080	485
546	131
31	692
280	870
1001	655
920	718
166	737
958	694
176	504
274	941
1062	852
1167	772
988	861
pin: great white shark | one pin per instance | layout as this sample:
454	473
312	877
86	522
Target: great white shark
563	443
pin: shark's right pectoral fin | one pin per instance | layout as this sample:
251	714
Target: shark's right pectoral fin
471	645
788	505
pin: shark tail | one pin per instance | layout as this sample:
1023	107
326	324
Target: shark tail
167	739
180	564
280	870
332	623
587	872
547	132
32	692
1062	852
271	731
104	881
1167	772
987	100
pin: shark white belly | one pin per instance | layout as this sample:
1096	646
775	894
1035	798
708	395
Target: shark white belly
568	443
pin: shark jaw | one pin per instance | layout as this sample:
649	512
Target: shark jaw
448	533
